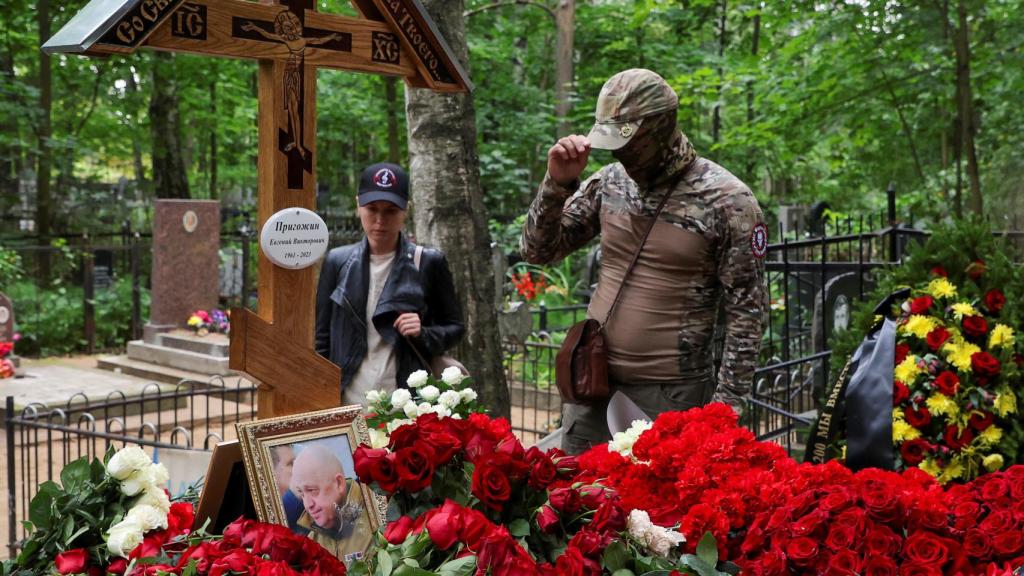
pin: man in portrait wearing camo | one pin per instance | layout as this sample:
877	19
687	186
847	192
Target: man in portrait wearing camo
705	253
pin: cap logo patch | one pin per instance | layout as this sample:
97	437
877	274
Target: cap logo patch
626	131
384	178
759	240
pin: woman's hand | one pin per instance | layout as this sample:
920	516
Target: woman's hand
408	324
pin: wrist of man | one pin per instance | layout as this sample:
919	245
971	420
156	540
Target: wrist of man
566	188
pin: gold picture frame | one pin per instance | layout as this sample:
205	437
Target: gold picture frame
297	458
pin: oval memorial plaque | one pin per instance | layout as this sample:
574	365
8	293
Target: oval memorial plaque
294	238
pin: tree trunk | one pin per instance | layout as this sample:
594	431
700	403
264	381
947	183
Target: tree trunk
391	98
214	193
968	127
565	33
170	178
10	148
716	117
450	213
140	168
44	201
754	46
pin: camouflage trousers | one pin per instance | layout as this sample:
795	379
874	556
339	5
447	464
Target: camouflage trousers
584	426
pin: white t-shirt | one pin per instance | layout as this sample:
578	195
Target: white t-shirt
379	368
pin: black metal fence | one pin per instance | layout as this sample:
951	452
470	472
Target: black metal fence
41	440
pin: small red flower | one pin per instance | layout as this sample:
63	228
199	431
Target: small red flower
72	561
975	326
937	337
939	271
914	451
994	301
900	393
976	269
921	305
947	382
918	417
902	351
957	439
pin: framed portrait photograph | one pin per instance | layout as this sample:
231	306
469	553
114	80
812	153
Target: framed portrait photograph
302	474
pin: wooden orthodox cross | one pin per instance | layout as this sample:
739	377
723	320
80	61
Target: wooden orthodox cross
291	40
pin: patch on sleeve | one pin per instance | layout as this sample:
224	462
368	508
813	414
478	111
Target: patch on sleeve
759	240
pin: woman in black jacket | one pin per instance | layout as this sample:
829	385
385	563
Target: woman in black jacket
384	306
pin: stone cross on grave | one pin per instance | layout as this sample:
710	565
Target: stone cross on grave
290	39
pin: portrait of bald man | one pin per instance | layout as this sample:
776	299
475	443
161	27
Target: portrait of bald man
334	512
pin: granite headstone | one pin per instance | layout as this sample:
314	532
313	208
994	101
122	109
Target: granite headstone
186	260
6	318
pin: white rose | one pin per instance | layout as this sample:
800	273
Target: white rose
411	410
148	517
441	410
136	484
378	439
417	379
158	475
450	398
127	461
663	541
396	424
156	498
429	393
373	396
424	408
399	398
456	416
124	537
452	376
639	523
468	395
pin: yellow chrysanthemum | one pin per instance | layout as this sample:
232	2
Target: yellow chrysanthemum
919	326
959	354
993	462
908	370
1001	337
941	288
902	432
952	471
939	403
929	466
1005	403
897	414
194	321
961	309
992	435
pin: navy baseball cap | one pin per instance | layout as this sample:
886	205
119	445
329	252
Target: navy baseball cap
384	181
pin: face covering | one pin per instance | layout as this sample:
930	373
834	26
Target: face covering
658	152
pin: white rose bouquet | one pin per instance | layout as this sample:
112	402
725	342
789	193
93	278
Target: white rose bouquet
450	396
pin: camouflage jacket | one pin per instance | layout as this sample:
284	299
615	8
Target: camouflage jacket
724	233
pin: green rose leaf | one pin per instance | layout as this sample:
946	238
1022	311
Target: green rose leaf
707	549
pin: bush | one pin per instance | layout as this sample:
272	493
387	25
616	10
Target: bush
51	320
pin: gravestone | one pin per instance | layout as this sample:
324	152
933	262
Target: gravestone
186	262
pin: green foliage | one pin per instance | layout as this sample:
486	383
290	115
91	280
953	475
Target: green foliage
11	269
52	325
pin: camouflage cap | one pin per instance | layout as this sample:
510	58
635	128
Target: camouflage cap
625	100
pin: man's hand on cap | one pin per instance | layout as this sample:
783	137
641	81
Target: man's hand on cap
567	158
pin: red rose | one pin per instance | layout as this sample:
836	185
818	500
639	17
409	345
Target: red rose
397	531
543	473
926	548
442	525
117	566
921	305
976	269
914	451
840	537
957	439
445	444
993	488
975	326
404	436
902	351
415	467
573	563
547	519
985	366
590	542
918	417
1008	543
994	301
900	393
843	563
947	382
566	500
880	566
977	544
609	516
981	421
802	551
882	542
881	501
937	337
180	518
474	527
376	465
72	561
490	484
939	271
917	569
235	561
998	522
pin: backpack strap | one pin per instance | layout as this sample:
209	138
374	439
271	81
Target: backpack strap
418	256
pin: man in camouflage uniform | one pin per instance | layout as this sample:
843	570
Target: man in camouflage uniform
705	252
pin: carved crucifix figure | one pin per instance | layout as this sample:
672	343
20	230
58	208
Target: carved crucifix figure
290	39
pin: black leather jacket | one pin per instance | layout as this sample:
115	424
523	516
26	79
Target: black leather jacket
341	307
